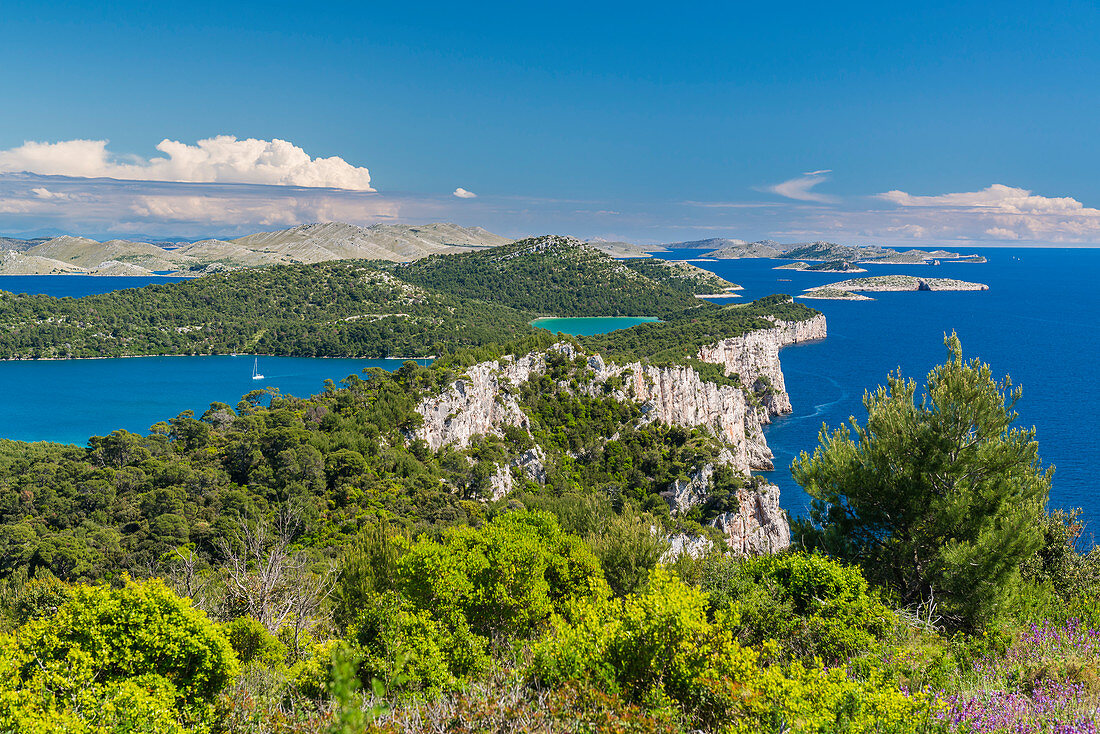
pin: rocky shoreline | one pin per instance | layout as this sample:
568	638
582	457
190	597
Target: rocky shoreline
889	283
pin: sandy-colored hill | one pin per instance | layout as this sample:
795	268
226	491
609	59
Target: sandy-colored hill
219	251
18	263
397	242
89	254
309	243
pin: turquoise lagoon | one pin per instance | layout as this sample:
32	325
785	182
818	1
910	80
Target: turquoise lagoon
589	325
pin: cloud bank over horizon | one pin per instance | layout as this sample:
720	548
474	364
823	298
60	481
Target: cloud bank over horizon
223	186
220	159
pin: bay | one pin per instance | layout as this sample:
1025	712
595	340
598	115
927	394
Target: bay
78	286
69	400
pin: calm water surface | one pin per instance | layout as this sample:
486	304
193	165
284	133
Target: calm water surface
70	400
589	325
77	286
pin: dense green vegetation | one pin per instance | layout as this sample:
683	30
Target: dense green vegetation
436	306
342	308
341	458
562	277
325	570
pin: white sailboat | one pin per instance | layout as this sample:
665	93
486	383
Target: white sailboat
256	369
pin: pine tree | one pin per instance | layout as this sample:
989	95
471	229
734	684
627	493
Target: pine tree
939	500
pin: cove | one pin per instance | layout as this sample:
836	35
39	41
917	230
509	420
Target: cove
589	325
70	400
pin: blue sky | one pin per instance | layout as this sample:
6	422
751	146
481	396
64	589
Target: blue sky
943	123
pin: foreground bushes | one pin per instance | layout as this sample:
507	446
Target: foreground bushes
137	658
813	606
661	650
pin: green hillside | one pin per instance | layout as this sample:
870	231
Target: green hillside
353	308
561	276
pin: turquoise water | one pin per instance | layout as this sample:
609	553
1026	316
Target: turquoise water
589	325
1039	322
70	400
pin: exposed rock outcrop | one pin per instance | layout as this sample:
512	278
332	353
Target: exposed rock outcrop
681	544
479	402
759	525
755	358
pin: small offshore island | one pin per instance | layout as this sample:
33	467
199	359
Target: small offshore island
831	266
849	289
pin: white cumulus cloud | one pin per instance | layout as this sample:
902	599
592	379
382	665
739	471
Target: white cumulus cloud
221	159
41	192
996	197
1006	213
464	194
801	188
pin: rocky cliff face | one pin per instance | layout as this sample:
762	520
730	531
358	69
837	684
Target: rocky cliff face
755	358
758	526
483	401
480	402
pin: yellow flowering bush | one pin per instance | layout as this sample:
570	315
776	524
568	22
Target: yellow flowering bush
138	658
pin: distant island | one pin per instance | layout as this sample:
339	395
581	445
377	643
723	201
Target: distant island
847	289
307	243
832	266
722	248
328	241
828	252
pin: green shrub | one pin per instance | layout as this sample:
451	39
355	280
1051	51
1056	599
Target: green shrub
504	578
813	606
138	657
253	643
408	649
660	649
628	549
39	597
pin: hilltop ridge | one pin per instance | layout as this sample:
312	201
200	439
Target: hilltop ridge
563	276
307	243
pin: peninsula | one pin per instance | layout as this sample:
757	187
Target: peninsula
356	307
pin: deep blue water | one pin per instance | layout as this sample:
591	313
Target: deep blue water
77	285
70	400
1039	322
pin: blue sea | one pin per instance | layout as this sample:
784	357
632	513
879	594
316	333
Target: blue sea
77	286
1039	322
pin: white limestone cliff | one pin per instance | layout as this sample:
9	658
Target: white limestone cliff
759	525
483	401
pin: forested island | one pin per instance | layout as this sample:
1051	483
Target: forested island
535	532
353	308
